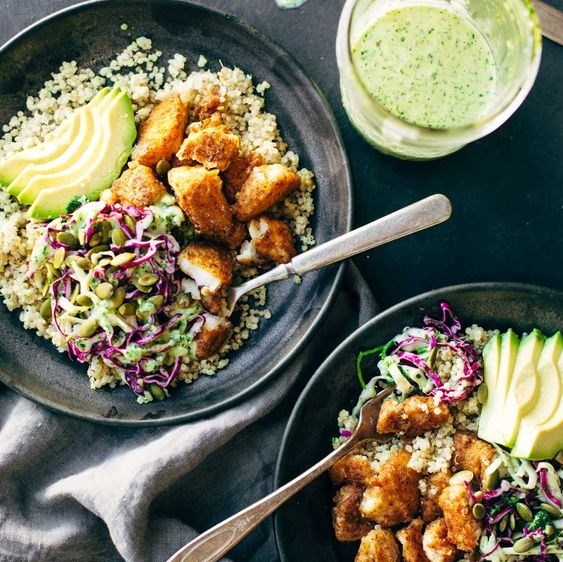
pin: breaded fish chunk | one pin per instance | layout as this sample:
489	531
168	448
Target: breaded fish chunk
436	544
392	497
414	416
137	186
353	468
238	171
471	453
347	521
212	336
266	186
161	134
410	538
379	545
435	484
463	529
271	240
199	194
213	146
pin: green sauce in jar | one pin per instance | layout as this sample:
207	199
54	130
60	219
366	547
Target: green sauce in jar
427	65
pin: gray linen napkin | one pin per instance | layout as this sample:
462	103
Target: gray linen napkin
75	491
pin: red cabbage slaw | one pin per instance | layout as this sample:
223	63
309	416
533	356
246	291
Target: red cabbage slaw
145	349
407	360
523	508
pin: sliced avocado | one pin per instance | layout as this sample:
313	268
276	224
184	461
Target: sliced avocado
489	424
71	163
541	430
491	363
524	388
58	152
110	147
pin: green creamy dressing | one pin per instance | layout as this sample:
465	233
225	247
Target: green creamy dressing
427	66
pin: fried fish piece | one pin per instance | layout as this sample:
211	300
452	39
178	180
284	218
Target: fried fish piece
379	545
266	186
271	240
410	538
435	484
347	521
472	453
463	529
238	171
436	544
199	194
161	134
137	186
353	468
212	336
392	497
413	416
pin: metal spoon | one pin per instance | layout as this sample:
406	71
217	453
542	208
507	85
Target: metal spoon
418	216
214	543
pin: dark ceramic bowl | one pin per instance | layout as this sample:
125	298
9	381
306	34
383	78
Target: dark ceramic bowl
303	525
90	34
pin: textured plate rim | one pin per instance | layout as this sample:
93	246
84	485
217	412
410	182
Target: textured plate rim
338	276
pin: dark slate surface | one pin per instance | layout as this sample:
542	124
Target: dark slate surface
506	190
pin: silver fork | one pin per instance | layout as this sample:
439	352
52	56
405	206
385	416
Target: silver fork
214	543
408	220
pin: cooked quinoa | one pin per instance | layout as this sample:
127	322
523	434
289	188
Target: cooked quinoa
141	72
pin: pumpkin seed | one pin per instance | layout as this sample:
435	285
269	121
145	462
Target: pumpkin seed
68	239
127	309
123	258
118	297
523	545
104	262
83	300
82	262
38	278
88	328
432	356
97	250
105	229
118	237
46	309
482	393
142	288
551	509
503	524
59	257
157	392
157	300
130	222
479	511
95	240
147	279
461	477
549	530
512	521
524	511
104	290
162	167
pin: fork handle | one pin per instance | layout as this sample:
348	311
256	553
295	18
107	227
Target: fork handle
214	543
408	220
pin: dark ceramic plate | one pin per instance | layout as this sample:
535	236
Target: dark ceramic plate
303	525
91	35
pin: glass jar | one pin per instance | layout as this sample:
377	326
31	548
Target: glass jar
511	34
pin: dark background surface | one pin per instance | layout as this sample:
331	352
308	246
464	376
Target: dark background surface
506	189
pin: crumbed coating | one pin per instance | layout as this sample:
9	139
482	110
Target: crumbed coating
265	186
392	497
410	538
137	186
414	416
238	171
271	240
435	484
199	193
436	544
347	521
472	453
351	468
212	335
206	259
161	134
379	545
206	107
463	529
212	146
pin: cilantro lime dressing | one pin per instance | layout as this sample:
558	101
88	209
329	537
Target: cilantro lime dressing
426	65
